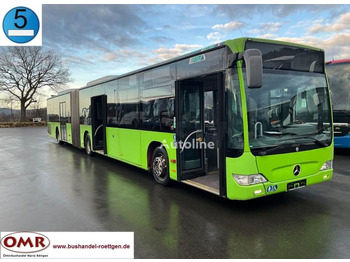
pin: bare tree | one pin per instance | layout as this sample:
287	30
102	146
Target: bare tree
24	70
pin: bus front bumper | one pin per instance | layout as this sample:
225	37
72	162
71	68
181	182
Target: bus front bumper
268	188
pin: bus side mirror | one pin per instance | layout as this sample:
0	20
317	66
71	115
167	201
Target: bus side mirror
254	67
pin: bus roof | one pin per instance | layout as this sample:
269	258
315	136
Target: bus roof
236	41
212	47
338	61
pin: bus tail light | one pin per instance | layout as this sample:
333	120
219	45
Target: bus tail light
327	165
246	180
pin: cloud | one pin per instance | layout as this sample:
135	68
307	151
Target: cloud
110	39
266	30
125	56
231	26
76	60
96	27
216	36
195	11
340	24
161	39
279	11
147	57
221	30
271	27
335	47
266	36
165	53
111	56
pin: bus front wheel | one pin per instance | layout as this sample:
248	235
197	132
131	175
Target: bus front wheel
88	145
160	166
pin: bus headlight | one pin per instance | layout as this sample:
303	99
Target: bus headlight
327	165
246	180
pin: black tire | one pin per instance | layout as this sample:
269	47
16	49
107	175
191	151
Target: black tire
87	144
160	166
58	141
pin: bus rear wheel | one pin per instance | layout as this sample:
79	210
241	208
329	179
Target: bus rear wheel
88	145
160	166
58	141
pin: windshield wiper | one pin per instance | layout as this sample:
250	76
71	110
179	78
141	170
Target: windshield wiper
284	145
316	141
280	146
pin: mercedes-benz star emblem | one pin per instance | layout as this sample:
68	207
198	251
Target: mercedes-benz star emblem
296	170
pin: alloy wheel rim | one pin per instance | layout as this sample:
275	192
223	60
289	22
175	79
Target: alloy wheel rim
159	166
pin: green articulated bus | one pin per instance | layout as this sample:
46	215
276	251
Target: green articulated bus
241	119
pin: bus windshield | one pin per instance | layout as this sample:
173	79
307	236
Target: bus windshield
290	109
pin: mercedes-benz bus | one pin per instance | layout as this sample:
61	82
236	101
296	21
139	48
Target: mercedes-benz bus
241	119
338	72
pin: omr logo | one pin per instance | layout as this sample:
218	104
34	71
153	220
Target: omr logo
25	242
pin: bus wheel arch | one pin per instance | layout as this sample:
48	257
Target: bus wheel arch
151	147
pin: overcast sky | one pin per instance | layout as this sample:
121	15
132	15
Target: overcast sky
100	40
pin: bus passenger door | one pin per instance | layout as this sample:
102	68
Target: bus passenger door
189	129
63	121
99	122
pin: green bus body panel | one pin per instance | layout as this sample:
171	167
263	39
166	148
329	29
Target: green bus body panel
278	169
52	127
236	45
131	146
69	133
52	133
243	165
124	144
310	180
83	129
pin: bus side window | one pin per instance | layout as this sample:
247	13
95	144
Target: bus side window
163	114
167	114
147	114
